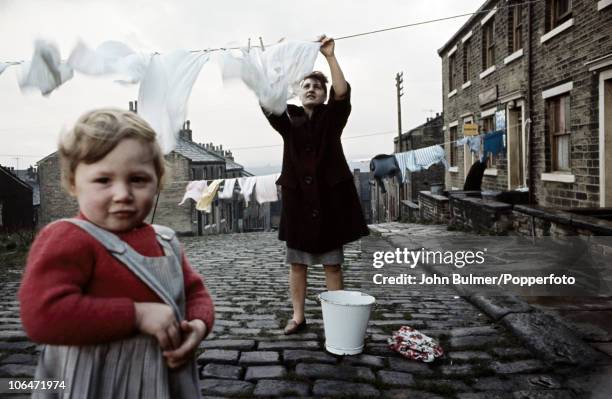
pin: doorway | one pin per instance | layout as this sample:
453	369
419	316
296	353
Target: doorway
516	145
605	138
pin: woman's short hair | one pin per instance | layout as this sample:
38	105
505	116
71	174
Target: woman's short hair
97	132
318	76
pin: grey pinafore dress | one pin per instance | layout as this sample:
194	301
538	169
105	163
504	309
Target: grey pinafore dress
133	367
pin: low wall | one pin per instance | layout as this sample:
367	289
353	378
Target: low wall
466	210
433	207
483	216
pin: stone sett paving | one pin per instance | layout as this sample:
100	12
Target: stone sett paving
247	355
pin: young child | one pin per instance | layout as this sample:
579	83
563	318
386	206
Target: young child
114	299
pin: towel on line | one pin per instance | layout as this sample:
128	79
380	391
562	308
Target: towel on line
194	190
228	189
265	188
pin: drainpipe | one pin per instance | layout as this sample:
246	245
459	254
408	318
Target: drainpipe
531	172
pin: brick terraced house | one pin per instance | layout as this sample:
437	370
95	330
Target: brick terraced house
540	71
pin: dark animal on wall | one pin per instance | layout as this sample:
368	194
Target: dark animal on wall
473	181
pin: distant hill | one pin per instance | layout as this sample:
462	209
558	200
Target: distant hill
260	170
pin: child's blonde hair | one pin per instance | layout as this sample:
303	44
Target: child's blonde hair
97	132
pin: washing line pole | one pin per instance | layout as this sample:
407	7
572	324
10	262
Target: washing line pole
399	79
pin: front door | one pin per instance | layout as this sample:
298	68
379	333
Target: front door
516	148
605	141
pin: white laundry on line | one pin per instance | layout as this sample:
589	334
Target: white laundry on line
45	71
274	74
194	190
247	184
3	66
228	189
164	92
110	57
265	188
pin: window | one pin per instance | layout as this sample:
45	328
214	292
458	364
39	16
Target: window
559	11
453	147
516	27
452	72
488	126
467	61
558	121
488	45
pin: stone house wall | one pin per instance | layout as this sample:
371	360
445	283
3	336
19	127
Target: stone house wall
553	59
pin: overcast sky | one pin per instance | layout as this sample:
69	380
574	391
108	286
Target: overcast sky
228	114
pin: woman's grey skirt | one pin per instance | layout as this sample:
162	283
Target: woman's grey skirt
333	257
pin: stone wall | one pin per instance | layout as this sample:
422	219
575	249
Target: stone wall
182	219
541	221
507	80
483	216
561	59
433	208
55	202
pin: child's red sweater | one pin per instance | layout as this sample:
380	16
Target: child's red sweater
74	292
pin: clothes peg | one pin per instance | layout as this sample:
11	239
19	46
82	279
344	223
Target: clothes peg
261	43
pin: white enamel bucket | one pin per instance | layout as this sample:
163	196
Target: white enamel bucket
345	319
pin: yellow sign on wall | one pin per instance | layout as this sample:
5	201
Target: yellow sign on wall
470	129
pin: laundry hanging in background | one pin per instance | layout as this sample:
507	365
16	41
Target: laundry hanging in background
428	156
247	184
204	203
194	190
265	188
110	58
228	189
473	143
272	74
384	166
494	143
45	71
405	161
164	93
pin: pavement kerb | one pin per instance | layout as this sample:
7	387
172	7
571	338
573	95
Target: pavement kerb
542	333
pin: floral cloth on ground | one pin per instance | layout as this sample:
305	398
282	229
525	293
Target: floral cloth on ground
415	345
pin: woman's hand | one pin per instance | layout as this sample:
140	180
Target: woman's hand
327	46
193	333
158	320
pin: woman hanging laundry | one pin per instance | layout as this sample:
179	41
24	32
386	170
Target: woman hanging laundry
320	208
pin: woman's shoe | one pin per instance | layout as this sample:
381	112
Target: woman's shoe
293	327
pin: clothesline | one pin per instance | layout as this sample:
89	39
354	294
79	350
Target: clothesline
263	46
203	193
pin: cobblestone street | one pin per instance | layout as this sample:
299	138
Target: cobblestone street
248	356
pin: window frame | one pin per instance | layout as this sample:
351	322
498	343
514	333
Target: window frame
467	64
488	44
453	155
516	27
558	124
556	20
452	72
